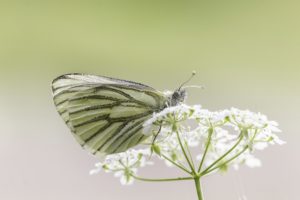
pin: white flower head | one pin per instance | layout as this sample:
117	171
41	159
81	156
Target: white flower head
222	138
124	164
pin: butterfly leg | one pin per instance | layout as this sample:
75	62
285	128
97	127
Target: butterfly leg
155	136
153	147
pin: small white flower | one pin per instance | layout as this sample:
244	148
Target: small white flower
276	140
125	176
95	171
252	162
124	164
260	145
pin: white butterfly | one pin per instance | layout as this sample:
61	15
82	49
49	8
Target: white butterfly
106	115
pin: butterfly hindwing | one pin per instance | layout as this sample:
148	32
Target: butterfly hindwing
105	115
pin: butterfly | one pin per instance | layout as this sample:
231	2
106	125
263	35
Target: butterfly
106	115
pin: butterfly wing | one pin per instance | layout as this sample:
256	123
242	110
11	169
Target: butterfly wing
105	115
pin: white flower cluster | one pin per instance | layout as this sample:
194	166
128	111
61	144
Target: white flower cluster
221	138
124	164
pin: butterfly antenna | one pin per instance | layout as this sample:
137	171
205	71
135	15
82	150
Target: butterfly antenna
194	86
193	74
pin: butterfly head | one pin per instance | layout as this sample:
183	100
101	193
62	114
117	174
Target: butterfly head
178	97
180	94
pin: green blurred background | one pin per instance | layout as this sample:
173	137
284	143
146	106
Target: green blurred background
246	54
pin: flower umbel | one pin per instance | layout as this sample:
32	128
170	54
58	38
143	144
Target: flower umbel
124	165
197	141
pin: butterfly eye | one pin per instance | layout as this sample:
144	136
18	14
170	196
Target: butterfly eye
176	95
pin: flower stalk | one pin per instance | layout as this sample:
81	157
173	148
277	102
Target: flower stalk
198	188
162	179
188	160
210	132
224	155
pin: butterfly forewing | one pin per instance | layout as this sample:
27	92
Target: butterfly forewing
105	115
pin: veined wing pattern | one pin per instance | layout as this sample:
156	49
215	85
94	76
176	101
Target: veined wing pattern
105	115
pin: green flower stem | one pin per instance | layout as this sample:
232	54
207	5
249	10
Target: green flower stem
189	154
184	153
226	162
162	179
176	164
241	136
210	132
198	188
